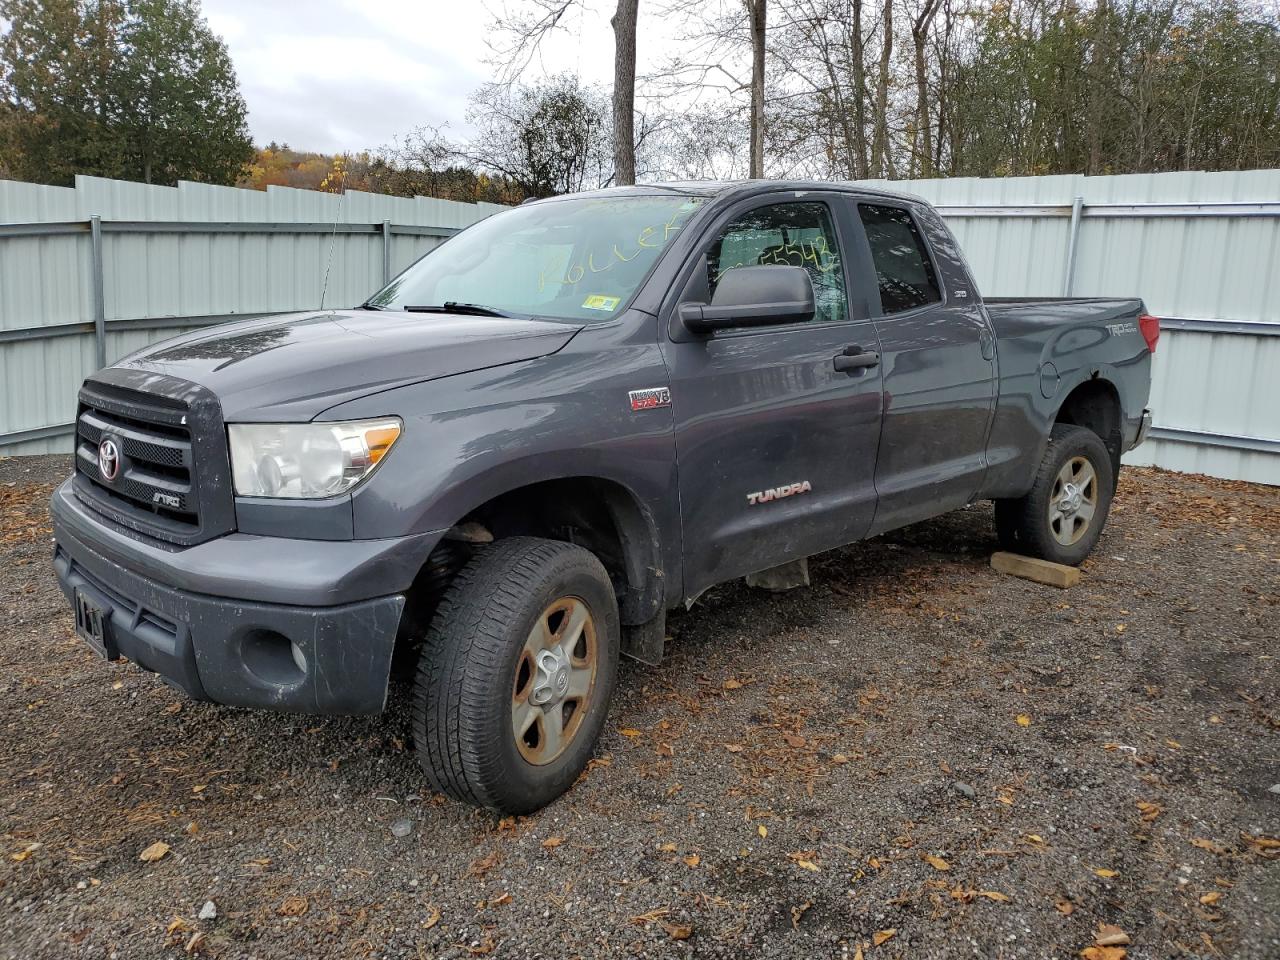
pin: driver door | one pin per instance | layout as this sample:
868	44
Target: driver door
775	447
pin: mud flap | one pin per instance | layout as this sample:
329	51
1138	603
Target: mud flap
645	641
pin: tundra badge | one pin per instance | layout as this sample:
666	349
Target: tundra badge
776	493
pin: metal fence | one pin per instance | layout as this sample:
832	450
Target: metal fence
84	282
90	273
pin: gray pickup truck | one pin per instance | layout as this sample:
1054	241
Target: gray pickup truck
505	468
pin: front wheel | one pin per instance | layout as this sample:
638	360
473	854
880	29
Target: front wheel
1062	516
516	674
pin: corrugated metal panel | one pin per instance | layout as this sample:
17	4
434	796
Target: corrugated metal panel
47	280
1211	268
1206	383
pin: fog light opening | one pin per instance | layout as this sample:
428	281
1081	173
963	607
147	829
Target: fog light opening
273	658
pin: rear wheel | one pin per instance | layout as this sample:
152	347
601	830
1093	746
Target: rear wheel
1062	516
516	674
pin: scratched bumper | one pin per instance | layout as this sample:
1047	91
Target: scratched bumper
281	657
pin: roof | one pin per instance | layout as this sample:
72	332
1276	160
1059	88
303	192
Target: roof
726	188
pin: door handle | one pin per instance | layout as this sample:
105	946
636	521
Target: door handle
855	358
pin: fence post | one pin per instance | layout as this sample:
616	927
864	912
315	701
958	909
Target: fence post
99	302
386	252
1069	273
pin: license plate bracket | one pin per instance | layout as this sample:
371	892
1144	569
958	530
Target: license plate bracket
93	626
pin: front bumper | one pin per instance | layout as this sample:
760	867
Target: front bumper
263	632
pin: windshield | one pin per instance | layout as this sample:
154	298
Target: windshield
580	258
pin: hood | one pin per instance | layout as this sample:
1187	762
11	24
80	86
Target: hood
294	367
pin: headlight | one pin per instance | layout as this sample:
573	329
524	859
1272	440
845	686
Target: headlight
307	460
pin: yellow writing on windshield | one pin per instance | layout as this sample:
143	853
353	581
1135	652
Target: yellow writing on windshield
652	237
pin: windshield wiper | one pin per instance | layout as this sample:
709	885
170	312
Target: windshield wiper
452	306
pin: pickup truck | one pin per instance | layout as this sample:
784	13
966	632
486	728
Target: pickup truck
507	467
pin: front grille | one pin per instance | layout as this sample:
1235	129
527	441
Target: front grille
171	477
155	470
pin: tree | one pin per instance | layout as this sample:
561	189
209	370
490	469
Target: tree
624	91
135	89
547	138
538	20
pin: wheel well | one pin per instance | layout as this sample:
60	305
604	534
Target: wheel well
1095	405
600	515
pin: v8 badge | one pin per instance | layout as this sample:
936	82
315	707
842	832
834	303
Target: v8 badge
649	398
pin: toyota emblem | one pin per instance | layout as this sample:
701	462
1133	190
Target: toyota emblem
108	459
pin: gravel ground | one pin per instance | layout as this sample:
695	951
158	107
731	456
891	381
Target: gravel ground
916	757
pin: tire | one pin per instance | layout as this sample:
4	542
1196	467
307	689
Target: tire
478	675
1051	522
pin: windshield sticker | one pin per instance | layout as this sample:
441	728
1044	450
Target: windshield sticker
598	302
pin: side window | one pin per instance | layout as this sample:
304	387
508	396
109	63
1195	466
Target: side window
903	268
788	234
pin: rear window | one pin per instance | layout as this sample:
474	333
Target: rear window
904	271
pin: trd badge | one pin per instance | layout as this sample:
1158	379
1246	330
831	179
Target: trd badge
649	398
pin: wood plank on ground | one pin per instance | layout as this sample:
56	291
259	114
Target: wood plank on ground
1032	568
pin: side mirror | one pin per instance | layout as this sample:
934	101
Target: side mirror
752	297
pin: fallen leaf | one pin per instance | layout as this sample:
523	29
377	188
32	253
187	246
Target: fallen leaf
733	747
154	852
552	842
1109	935
857	954
936	862
1209	899
799	911
177	925
1150	811
804	860
1023	720
484	864
1209	845
692	860
678	931
1174	744
995	895
762	830
1120	627
1106	874
1033	838
839	758
501	900
1064	906
668	848
732	684
883	936
793	740
25	852
1104	953
195	943
483	948
433	917
1261	843
292	906
631	732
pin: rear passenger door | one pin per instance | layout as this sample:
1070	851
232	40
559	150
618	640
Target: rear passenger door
937	360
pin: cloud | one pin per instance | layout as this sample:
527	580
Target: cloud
333	75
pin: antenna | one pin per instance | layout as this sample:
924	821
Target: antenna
324	286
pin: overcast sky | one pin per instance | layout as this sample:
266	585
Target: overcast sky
333	75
